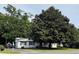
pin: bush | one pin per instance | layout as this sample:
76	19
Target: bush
22	47
2	47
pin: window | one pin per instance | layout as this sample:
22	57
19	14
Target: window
31	43
23	43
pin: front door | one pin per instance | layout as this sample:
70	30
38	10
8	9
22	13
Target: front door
23	44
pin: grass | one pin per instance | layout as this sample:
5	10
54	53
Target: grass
52	50
9	51
17	51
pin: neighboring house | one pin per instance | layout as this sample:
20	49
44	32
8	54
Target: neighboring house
28	43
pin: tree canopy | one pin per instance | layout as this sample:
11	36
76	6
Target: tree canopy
53	27
50	26
13	24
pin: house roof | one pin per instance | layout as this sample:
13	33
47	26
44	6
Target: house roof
22	39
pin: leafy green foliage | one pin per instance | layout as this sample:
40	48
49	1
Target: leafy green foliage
13	24
2	47
52	27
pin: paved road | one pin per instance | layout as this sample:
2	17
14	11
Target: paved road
55	52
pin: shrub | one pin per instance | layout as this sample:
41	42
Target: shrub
2	47
22	47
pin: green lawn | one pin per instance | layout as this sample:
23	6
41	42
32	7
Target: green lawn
47	50
17	51
51	50
9	51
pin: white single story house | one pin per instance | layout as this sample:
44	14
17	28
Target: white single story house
24	43
28	43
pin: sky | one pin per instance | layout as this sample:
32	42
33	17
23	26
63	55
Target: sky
69	10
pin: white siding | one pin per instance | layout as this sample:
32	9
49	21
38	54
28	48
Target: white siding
23	42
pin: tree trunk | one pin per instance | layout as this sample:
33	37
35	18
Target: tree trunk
40	45
49	45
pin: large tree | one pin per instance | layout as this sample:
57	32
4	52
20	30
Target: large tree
13	24
51	26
